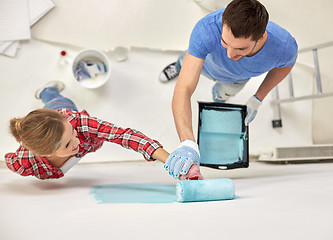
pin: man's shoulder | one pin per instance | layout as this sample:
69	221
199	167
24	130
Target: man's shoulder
279	37
277	31
209	27
281	44
214	17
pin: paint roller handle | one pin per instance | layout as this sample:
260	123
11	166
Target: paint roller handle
193	174
252	106
180	161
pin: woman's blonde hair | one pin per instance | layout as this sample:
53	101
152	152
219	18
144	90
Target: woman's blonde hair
40	131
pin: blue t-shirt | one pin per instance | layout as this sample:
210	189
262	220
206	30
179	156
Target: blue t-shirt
279	50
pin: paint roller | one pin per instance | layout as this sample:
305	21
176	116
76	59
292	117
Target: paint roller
205	190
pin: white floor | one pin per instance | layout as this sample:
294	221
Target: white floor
275	202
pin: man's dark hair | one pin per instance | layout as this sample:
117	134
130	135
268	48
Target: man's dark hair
246	18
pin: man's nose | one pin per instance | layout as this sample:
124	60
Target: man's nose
231	52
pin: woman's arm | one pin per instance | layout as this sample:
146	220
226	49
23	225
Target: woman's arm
161	155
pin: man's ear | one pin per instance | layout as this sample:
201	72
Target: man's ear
263	37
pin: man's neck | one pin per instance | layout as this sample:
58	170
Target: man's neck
259	46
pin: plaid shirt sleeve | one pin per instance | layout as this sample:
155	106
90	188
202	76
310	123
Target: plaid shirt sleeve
26	163
96	129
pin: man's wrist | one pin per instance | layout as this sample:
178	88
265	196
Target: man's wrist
192	144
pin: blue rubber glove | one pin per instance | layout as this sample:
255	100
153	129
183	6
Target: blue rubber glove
180	160
252	106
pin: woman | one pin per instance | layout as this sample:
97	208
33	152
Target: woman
55	138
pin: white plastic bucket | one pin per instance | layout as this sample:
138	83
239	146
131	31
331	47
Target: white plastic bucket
92	55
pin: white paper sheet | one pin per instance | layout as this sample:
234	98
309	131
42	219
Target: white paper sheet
12	49
35	10
5	45
14	20
38	8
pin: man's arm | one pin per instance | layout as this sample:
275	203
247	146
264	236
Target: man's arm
273	78
181	103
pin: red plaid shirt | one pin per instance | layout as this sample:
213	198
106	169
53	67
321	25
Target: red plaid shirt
92	133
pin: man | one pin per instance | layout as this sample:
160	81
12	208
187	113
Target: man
229	46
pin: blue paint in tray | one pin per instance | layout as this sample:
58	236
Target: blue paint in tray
222	135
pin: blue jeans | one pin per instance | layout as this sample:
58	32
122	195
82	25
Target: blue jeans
53	100
180	60
221	91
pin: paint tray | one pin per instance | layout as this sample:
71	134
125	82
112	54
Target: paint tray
223	136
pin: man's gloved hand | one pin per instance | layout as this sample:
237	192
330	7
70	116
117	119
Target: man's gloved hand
180	160
252	106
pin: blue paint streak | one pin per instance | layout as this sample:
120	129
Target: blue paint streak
134	193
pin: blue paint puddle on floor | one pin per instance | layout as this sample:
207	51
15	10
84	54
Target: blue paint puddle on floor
134	193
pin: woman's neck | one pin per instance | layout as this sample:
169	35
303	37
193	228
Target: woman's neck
57	161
